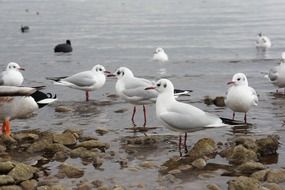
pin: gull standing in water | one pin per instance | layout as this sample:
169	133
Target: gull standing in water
19	102
132	89
276	75
160	55
262	41
240	97
12	75
86	80
179	116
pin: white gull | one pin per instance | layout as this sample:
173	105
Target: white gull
160	55
12	75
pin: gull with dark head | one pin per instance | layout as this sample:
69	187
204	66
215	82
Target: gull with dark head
86	80
12	76
276	75
179	116
19	102
160	55
240	97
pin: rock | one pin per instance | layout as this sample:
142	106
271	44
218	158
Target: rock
200	163
63	109
148	165
141	140
97	183
273	186
101	131
247	142
260	175
244	183
94	144
275	176
250	167
11	187
175	172
66	138
26	137
204	147
57	187
22	172
70	171
6	180
219	101
56	147
83	153
103	187
29	184
6	167
60	156
268	145
241	154
123	163
39	146
213	187
97	162
118	187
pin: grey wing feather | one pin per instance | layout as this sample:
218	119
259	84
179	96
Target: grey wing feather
140	92
81	79
255	97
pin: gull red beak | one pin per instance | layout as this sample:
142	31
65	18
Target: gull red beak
107	72
21	69
150	88
110	74
231	82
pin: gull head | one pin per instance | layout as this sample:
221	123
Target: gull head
159	50
100	69
123	72
239	79
14	66
260	34
162	86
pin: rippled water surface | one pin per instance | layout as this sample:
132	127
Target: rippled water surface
206	41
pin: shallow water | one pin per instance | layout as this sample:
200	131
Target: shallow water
206	41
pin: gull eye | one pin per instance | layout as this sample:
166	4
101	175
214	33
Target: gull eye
100	69
118	73
14	67
158	85
238	79
165	85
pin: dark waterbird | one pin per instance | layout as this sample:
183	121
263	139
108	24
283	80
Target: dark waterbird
63	48
25	29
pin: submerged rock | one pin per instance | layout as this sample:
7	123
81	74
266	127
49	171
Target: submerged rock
275	176
250	167
213	187
84	153
267	146
29	184
22	172
6	167
200	163
70	171
204	147
90	144
66	138
101	131
240	154
6	180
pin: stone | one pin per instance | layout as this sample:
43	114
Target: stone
6	180
94	144
29	184
247	142
101	131
260	175
11	187
60	156
5	167
57	187
66	138
22	172
213	187
250	167
83	153
39	146
63	109
204	147
26	137
275	176
70	171
199	163
244	183
267	146
103	187
241	154
118	187
148	165
97	162
273	186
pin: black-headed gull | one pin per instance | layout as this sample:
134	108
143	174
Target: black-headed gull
20	102
276	75
86	80
63	48
179	116
240	97
132	89
262	41
160	55
12	75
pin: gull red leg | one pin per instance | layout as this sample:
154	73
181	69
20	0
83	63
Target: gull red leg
179	145
144	113
6	127
133	116
87	95
245	118
234	115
